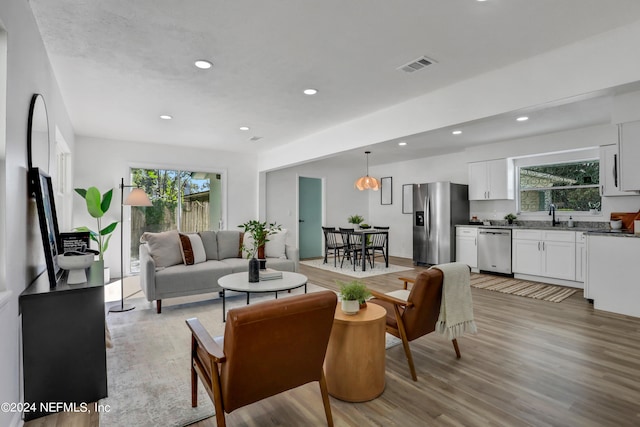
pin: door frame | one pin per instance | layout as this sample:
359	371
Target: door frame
323	204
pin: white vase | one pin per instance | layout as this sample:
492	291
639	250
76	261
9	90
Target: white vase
350	307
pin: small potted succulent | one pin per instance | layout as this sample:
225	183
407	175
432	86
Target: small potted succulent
510	218
353	294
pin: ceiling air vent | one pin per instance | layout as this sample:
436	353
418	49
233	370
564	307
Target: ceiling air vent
255	138
416	64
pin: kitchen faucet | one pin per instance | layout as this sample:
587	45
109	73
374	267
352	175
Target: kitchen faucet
552	211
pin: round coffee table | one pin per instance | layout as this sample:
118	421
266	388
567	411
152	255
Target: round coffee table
239	282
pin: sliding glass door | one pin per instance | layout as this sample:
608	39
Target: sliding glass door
186	201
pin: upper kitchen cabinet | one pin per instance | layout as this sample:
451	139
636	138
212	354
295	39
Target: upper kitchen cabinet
491	180
609	175
628	154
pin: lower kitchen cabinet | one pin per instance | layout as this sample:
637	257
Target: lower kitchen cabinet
581	256
467	246
546	253
612	274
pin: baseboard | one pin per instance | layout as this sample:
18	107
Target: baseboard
550	280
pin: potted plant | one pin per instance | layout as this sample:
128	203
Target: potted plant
355	220
259	231
353	294
97	205
510	218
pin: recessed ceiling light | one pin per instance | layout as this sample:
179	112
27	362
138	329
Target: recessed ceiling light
482	0
203	64
456	132
244	127
310	91
522	119
166	117
402	144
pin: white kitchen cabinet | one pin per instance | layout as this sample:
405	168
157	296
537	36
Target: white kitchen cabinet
629	153
581	256
467	246
491	180
609	172
546	253
612	273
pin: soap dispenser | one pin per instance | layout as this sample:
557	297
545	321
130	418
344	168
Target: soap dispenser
570	224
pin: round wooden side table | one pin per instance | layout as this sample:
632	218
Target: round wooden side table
355	361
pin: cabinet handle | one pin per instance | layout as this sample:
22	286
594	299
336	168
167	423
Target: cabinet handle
538	245
475	241
543	246
615	170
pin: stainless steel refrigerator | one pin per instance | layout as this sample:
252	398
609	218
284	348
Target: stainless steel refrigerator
437	208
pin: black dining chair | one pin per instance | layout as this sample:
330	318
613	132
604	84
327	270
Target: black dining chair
379	243
354	246
332	243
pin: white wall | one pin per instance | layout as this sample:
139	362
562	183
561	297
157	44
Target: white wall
453	167
341	198
102	163
28	72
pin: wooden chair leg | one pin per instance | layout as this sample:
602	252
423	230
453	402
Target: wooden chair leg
194	375
324	391
405	343
158	306
217	398
456	348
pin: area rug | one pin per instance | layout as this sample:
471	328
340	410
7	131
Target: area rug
148	368
523	288
347	269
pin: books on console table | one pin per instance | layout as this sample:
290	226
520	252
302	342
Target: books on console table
270	274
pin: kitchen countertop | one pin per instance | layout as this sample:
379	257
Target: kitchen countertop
603	230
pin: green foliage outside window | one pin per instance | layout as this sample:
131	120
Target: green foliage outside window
569	186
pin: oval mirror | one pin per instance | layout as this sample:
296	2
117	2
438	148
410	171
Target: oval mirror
38	152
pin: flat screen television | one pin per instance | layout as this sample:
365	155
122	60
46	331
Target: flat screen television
41	189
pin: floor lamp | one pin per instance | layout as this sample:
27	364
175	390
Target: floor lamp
137	197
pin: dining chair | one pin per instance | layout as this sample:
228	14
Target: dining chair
354	246
333	243
378	243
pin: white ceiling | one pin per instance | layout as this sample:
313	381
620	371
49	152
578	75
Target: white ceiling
121	63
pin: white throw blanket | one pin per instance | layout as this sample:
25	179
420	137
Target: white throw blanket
456	307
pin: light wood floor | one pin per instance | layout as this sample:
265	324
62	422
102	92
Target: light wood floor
532	363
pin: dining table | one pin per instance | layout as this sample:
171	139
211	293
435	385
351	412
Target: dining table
363	241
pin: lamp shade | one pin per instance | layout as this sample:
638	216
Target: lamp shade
137	197
367	182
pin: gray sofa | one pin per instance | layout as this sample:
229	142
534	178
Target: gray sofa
164	274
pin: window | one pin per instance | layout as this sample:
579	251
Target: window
182	200
571	186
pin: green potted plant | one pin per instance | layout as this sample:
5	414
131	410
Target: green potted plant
353	294
259	231
97	205
510	218
355	220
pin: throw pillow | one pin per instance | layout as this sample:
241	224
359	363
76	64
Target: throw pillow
228	243
192	249
247	241
164	247
275	247
210	244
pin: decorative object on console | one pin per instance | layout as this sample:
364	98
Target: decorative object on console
38	149
137	197
353	294
367	182
76	265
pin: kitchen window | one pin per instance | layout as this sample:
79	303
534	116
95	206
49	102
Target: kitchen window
570	186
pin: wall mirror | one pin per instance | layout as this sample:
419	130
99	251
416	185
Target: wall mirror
38	151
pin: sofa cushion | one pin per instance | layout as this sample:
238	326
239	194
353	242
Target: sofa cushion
228	244
281	264
236	265
247	245
275	247
188	279
164	247
210	244
192	249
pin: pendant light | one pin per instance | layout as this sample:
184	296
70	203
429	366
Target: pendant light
367	182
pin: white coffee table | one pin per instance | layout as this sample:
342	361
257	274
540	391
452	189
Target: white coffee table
239	282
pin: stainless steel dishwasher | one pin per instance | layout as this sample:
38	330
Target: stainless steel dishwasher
494	250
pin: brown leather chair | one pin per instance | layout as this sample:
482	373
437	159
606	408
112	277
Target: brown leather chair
414	313
268	348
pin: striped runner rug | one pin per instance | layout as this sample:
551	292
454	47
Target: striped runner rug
523	288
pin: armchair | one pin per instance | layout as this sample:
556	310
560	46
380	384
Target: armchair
414	313
268	348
